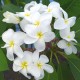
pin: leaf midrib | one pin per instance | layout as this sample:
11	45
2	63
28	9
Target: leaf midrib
74	65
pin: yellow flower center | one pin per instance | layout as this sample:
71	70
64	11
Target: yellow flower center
69	36
39	65
66	21
11	43
49	10
68	44
37	23
27	14
39	35
24	64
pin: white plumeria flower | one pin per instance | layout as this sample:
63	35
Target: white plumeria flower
29	5
40	64
39	37
13	42
23	65
68	47
38	8
54	9
67	35
62	23
10	18
26	15
38	20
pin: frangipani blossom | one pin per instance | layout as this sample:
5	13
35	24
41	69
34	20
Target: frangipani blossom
69	47
54	9
39	37
26	15
38	20
23	65
10	18
13	41
30	5
39	8
40	63
67	35
62	23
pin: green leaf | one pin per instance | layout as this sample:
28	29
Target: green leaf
74	63
3	61
64	72
71	6
12	8
1	76
46	2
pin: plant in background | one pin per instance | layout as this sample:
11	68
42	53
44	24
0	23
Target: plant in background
53	37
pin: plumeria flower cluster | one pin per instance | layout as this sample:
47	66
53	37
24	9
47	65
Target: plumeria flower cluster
36	24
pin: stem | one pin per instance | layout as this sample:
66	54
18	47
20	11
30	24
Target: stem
56	58
61	53
51	57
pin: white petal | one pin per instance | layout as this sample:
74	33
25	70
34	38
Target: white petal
68	50
19	37
72	35
20	14
18	51
23	24
16	67
40	45
62	44
41	75
29	5
35	56
72	21
35	8
44	59
35	17
10	55
64	13
48	68
29	40
10	18
27	56
48	36
64	32
34	71
60	24
8	35
57	13
17	61
54	4
24	72
29	28
74	49
45	17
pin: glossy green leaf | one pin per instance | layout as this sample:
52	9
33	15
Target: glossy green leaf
3	61
64	72
74	63
1	76
71	6
46	2
12	8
